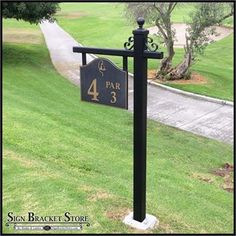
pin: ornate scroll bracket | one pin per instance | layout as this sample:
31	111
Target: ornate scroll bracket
130	44
150	45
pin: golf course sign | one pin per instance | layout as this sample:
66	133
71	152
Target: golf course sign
104	83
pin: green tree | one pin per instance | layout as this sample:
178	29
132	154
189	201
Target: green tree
160	13
199	31
33	12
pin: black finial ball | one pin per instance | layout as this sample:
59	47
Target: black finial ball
140	22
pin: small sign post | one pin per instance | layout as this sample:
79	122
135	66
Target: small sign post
140	47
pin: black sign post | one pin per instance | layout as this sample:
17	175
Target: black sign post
140	47
140	122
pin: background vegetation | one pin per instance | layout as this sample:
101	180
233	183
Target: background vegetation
104	25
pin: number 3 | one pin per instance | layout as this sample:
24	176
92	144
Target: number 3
113	99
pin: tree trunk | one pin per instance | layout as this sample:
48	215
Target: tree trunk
165	65
166	62
181	71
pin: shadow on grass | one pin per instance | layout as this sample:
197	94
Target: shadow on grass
18	54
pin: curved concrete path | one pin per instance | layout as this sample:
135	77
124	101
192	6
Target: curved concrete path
201	117
180	31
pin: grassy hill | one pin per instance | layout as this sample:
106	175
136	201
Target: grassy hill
60	154
105	25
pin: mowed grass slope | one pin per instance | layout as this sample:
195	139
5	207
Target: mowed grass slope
61	154
105	25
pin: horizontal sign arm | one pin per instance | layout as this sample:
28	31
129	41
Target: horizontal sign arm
117	52
104	51
153	55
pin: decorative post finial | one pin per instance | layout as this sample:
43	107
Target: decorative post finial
140	22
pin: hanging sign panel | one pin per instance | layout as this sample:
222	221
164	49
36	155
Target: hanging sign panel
104	83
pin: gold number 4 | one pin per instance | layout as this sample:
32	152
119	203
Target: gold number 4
93	90
113	99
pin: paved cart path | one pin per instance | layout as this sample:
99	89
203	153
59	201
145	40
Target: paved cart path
201	117
180	31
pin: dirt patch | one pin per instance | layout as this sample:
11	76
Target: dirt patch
228	184
224	171
151	74
195	79
72	15
227	173
203	177
100	195
13	35
118	214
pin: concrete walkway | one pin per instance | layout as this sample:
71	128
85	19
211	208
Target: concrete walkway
180	31
198	116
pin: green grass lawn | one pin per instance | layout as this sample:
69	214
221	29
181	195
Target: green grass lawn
61	154
105	25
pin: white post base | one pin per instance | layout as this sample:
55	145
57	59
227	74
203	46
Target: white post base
149	222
